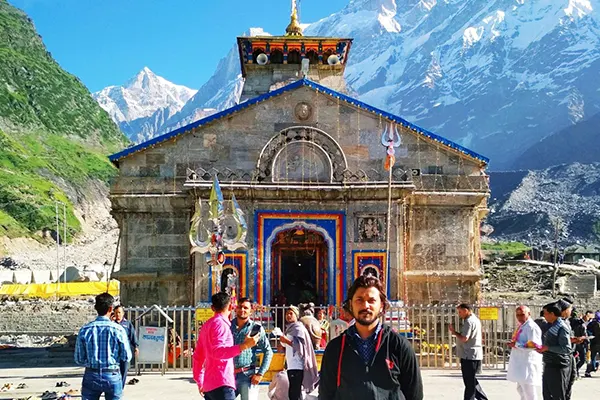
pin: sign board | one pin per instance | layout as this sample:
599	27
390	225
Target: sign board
488	313
153	345
204	314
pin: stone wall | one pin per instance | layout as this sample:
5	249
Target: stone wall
44	317
433	243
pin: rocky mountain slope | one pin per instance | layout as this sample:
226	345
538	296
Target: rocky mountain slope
529	202
144	104
53	138
497	76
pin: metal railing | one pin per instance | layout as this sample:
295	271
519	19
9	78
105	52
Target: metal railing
424	326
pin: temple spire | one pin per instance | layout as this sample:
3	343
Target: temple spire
294	28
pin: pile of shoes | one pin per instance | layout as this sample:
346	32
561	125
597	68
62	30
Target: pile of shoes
47	395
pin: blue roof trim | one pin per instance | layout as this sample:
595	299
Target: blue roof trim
299	83
396	119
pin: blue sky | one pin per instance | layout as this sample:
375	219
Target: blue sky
106	42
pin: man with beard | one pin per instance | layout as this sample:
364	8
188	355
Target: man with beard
369	361
469	346
299	356
246	373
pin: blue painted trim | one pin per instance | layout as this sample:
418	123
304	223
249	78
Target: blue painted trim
299	83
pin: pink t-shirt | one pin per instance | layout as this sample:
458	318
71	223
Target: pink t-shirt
213	357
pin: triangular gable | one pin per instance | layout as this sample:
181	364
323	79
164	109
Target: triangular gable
299	83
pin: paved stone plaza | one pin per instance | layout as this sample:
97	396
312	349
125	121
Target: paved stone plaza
439	384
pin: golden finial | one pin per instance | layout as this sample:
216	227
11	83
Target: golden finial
294	28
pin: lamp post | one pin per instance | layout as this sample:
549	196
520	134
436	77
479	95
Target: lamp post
555	272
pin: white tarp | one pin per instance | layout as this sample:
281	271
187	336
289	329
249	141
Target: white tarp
42	276
23	276
7	276
94	272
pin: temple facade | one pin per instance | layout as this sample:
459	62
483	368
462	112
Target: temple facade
330	188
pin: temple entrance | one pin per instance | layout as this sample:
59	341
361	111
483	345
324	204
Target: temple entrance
300	263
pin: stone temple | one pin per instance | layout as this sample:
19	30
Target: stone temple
309	167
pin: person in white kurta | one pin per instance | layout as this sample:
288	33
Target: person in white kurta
525	364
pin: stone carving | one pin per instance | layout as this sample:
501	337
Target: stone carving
370	228
303	111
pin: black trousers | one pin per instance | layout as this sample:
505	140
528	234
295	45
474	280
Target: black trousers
295	377
469	369
572	377
555	382
581	350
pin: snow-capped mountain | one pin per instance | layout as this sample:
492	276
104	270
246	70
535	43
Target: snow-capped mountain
143	104
496	76
221	91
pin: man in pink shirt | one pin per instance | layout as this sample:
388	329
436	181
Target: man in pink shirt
213	359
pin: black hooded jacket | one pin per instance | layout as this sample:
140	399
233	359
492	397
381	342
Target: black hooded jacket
393	374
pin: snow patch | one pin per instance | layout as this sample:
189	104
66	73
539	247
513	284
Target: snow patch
472	35
578	8
428	4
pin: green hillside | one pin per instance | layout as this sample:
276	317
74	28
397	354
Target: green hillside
54	137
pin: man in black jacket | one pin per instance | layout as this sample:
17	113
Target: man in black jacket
369	361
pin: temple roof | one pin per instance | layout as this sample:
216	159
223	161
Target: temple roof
299	83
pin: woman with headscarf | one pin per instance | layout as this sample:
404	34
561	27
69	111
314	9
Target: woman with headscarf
594	328
302	371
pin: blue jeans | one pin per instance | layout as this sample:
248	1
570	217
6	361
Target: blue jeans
221	393
96	383
124	366
242	384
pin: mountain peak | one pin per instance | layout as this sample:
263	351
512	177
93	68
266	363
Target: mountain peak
142	96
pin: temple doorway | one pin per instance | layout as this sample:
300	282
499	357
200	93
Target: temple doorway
300	261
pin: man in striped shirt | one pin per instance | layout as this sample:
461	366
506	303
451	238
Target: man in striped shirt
101	346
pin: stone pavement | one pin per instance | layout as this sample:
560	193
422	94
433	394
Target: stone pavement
439	384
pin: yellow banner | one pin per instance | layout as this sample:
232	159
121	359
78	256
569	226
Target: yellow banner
488	313
72	289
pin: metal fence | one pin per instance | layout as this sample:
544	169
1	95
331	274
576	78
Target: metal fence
425	326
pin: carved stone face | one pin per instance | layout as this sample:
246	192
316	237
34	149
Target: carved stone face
303	111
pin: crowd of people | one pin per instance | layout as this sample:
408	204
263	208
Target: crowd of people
363	358
549	352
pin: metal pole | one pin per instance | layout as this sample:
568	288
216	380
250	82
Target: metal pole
555	273
65	241
57	249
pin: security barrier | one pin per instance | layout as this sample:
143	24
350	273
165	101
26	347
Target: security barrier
424	326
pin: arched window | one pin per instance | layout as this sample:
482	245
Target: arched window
293	57
276	56
313	56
